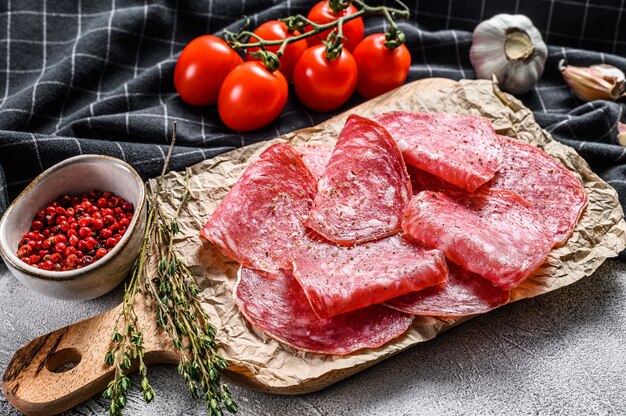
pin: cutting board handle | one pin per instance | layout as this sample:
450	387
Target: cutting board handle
57	371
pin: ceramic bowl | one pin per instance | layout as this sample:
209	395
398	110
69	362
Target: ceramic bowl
74	176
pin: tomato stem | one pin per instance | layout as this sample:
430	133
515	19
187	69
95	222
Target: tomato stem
308	28
334	43
394	37
337	6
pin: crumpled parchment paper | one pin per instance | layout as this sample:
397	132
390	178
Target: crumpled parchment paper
266	364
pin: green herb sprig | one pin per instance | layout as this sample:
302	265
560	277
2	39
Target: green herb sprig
178	312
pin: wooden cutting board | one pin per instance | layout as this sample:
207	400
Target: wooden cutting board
35	383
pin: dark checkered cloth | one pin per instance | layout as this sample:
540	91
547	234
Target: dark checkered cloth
96	77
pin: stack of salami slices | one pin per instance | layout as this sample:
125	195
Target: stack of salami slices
341	247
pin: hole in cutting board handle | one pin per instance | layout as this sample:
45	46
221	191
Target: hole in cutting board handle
63	360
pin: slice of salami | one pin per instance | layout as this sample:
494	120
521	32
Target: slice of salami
276	304
494	234
315	158
553	191
424	181
338	279
462	150
261	219
365	187
463	294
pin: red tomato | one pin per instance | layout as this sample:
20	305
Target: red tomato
380	70
251	96
353	30
201	69
324	85
276	30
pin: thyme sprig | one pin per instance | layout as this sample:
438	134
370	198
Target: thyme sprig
128	341
178	311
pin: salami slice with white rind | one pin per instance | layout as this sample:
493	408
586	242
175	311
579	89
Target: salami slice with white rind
315	158
553	191
338	279
365	187
261	219
462	150
494	234
276	305
464	293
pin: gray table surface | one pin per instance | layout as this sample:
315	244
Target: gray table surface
561	353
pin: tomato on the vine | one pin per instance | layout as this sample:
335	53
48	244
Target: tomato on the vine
201	69
353	30
277	30
251	97
321	84
380	70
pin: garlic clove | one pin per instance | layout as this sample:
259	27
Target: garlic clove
621	133
596	82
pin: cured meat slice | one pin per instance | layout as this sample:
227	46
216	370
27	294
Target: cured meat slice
276	304
365	187
315	158
463	294
494	234
424	181
261	219
338	279
462	150
554	192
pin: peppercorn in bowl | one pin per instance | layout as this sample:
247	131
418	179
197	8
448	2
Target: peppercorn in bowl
76	230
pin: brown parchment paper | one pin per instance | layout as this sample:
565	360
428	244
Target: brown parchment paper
264	363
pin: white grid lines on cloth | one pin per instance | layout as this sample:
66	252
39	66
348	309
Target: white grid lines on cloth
584	25
43	65
175	19
547	35
108	50
90	32
106	96
209	17
42	139
543	105
607	119
617	25
458	53
447	26
73	67
8	55
139	163
564	35
120	9
121	151
127	108
421	42
85	55
132	115
141	36
202	132
165	118
34	140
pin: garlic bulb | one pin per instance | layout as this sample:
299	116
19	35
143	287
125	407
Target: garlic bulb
511	48
597	82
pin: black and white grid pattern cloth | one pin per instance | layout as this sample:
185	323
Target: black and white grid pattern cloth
82	76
